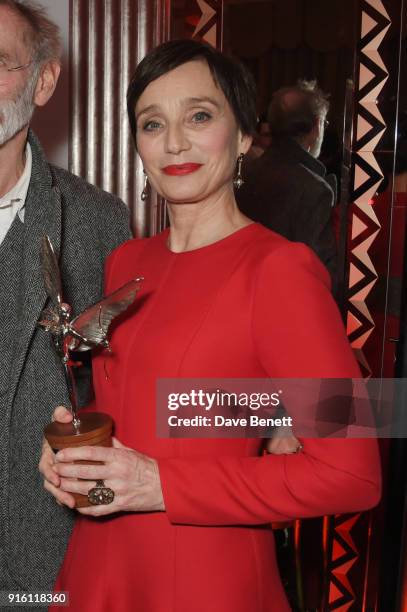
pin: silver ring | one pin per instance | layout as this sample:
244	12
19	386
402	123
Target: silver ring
100	495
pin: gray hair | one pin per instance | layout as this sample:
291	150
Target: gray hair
42	35
294	110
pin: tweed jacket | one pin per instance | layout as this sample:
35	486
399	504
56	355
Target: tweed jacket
85	224
287	190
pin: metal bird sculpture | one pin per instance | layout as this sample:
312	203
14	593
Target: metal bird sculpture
85	331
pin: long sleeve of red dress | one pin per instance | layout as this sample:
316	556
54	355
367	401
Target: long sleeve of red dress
296	332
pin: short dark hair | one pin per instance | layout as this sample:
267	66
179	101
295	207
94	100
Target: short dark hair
233	78
293	110
43	34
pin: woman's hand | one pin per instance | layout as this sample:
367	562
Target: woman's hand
283	442
46	465
133	477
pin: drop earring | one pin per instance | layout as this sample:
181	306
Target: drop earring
238	180
144	193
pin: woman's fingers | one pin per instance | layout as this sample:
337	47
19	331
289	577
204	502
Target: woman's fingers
73	485
61	496
117	444
102	510
283	442
90	472
62	415
47	460
133	477
46	465
283	446
85	453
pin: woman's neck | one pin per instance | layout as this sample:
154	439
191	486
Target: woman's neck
196	225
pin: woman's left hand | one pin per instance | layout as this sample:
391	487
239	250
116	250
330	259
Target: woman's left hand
283	442
134	478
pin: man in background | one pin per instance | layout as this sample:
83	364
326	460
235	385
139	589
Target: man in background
85	224
286	189
261	140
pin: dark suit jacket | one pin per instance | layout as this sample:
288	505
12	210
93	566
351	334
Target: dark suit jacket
286	190
85	224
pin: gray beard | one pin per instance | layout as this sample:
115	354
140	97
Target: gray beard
16	114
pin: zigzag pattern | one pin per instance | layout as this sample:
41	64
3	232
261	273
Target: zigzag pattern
209	24
344	556
366	176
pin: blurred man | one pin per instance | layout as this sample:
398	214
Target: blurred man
263	134
286	188
84	224
261	140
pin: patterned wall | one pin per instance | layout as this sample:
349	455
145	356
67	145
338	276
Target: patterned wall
370	126
209	25
202	19
351	535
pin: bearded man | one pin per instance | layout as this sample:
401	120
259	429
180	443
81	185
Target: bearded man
84	224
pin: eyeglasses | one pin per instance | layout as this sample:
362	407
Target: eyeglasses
4	68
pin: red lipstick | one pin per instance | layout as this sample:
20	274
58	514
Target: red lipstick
181	169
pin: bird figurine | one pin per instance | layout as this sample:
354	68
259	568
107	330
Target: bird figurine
87	330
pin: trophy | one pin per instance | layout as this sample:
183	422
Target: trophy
87	330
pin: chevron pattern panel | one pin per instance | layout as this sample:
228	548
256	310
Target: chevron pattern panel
367	175
344	556
350	535
209	27
348	560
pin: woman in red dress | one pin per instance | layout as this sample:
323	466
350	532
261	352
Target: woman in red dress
189	528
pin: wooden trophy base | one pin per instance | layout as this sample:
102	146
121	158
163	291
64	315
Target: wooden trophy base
94	429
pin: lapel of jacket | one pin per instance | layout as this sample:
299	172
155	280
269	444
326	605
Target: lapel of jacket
42	216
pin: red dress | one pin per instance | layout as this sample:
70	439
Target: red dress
251	305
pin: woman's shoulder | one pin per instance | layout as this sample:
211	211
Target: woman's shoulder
265	244
264	240
272	252
132	247
127	248
120	265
